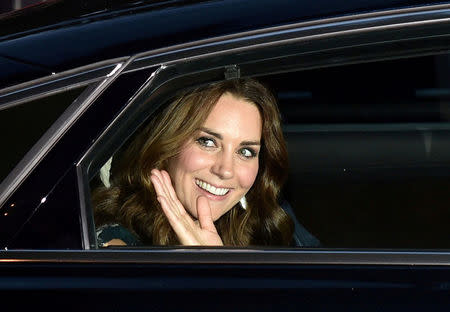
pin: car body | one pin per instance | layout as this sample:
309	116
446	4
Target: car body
104	67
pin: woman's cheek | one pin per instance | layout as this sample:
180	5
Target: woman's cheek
247	175
194	159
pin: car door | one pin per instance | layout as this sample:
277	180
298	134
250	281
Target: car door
347	140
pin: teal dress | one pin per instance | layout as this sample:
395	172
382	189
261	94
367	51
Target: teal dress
107	232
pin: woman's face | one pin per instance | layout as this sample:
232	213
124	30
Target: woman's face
221	161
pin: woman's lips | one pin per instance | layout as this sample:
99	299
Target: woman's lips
220	191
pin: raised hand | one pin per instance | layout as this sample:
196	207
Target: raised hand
189	231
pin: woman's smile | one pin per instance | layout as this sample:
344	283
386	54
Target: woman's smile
218	191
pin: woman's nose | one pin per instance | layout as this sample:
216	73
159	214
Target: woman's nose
224	165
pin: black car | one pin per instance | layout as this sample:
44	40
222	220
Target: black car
364	92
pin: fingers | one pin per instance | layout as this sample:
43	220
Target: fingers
204	215
174	220
168	184
163	187
114	242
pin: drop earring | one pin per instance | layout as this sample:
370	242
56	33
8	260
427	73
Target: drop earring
243	202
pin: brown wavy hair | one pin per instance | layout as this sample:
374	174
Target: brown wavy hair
131	199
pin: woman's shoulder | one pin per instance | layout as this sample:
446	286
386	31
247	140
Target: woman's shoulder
302	237
115	234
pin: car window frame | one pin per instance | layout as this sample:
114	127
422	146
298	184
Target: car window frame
195	59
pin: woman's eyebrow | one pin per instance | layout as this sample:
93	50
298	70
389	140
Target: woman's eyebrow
246	143
220	137
209	131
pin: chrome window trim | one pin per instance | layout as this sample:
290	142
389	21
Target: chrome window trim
199	255
56	83
87	237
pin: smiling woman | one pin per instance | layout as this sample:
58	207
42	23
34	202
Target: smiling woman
207	170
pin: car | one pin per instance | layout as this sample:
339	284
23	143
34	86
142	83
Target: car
363	90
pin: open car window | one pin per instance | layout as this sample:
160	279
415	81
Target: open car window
368	151
364	115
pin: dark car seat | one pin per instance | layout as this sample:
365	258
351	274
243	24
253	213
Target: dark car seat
302	238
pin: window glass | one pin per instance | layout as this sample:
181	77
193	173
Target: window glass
22	125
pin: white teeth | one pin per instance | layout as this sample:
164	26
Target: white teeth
212	189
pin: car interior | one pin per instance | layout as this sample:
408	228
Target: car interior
369	152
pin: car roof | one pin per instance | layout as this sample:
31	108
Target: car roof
59	35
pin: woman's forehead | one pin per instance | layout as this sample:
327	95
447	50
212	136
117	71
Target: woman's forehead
235	116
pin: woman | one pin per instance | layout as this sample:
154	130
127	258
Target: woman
205	171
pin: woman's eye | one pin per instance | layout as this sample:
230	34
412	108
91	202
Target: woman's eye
207	142
247	153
